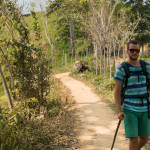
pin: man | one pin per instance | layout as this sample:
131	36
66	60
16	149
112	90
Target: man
134	111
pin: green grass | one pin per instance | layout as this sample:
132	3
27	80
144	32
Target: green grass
146	59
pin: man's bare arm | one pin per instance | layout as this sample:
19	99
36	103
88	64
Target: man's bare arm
117	96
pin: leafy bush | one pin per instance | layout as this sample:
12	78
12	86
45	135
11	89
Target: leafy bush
12	127
52	128
110	85
28	63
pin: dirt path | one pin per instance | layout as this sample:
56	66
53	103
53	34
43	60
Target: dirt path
98	120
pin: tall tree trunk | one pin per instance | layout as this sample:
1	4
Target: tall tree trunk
72	39
6	90
9	68
104	60
11	75
118	57
96	59
110	61
101	61
56	58
50	42
65	60
114	47
107	57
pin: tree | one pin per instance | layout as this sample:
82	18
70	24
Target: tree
4	82
61	8
30	67
109	29
6	90
141	8
68	21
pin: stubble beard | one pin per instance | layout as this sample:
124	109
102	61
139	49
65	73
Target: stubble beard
133	59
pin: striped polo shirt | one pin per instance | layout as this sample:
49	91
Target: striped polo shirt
136	87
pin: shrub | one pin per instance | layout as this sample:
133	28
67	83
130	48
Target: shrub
12	126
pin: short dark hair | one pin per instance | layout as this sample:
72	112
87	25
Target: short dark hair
132	42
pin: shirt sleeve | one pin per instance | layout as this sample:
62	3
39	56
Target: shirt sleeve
119	74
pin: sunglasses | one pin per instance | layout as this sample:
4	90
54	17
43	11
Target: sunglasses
134	50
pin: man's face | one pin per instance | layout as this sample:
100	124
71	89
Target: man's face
133	51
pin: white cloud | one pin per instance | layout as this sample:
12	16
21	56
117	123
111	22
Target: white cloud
29	5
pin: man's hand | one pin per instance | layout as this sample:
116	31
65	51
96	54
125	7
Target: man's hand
121	115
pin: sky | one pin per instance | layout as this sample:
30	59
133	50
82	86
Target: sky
29	5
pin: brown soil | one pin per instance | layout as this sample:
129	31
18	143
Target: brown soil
98	121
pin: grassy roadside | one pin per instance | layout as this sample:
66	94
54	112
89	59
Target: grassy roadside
57	129
54	128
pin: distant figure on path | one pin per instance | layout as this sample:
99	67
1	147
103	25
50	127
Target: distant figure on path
132	87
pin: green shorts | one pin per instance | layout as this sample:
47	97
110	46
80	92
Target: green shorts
136	124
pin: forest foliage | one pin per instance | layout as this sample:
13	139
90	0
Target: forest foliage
32	45
102	27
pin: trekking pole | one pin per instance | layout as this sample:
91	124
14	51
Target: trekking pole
115	134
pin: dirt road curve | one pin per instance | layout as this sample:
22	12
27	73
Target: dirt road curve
98	120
